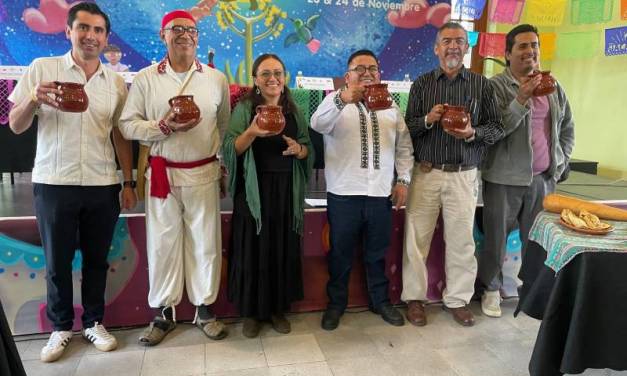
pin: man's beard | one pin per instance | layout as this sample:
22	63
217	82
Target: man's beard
452	62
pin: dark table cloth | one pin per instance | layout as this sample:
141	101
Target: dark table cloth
583	309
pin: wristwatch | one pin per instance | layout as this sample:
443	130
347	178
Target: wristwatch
130	183
402	181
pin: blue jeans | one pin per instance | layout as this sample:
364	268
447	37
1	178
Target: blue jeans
349	217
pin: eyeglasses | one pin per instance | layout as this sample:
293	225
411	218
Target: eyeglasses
180	30
361	69
278	74
458	41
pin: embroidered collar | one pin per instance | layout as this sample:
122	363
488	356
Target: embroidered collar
165	61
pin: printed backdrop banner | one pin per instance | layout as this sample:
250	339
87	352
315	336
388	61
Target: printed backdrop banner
616	41
312	36
469	9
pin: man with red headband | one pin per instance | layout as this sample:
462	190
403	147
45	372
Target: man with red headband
183	177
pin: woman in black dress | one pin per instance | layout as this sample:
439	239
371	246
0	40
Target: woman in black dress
268	174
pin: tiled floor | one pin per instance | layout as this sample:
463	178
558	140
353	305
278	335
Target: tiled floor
363	345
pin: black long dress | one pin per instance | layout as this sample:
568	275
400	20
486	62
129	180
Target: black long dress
10	363
265	270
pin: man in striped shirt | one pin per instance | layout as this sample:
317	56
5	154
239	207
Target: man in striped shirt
445	174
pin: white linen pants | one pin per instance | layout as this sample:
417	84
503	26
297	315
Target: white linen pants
456	194
184	245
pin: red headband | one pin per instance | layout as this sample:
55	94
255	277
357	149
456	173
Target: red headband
176	14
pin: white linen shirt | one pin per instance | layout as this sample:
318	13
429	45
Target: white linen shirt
342	149
75	148
147	104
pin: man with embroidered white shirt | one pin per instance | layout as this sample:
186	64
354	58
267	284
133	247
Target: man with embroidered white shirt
75	179
363	150
183	189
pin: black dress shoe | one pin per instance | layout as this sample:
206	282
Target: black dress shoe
330	319
391	315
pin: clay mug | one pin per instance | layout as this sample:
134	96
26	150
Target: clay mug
547	83
454	117
377	97
270	118
184	108
73	97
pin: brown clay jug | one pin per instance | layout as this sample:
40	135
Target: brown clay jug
73	97
377	97
270	118
547	83
184	108
454	117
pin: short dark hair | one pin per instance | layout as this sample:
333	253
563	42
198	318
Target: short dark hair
91	8
361	53
510	38
286	101
450	25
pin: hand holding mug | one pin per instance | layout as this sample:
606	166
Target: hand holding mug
352	94
435	114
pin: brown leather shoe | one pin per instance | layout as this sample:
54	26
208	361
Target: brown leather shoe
462	315
416	313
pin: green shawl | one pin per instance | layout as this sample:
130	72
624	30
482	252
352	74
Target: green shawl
240	120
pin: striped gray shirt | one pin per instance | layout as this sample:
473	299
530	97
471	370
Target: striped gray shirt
468	89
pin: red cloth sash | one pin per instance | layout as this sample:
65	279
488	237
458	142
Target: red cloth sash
159	184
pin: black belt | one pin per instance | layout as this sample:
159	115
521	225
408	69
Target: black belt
452	167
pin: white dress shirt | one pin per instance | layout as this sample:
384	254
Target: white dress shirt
345	153
147	104
75	148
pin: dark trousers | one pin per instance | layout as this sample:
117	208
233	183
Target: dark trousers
349	217
504	207
65	214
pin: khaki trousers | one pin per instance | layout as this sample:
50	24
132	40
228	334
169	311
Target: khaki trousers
456	194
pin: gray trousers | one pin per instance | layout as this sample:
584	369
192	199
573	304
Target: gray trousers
504	206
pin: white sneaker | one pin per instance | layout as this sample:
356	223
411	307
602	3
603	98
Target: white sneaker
99	336
491	303
57	343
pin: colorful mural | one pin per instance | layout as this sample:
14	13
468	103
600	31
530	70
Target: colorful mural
23	287
22	274
312	36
